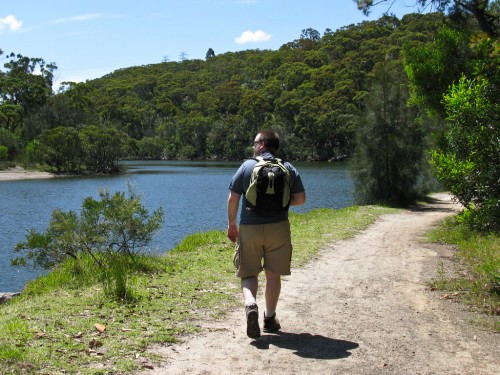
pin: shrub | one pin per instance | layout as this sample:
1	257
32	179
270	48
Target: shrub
4	152
111	231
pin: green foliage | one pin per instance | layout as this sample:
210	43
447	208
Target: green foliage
102	148
94	149
34	152
485	12
389	161
11	116
469	163
457	77
4	152
111	231
9	140
480	254
27	82
432	68
63	149
309	90
150	148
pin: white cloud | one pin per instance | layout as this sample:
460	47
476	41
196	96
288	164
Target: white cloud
252	37
80	18
10	22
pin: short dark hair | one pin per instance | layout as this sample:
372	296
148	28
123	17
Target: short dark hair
271	140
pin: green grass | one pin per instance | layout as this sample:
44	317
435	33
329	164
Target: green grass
478	281
51	329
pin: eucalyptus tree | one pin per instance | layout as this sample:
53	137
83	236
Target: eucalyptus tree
25	86
26	82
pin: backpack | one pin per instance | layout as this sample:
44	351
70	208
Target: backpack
269	191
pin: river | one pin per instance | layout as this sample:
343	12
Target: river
192	194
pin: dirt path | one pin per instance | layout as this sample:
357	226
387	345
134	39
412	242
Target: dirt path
361	307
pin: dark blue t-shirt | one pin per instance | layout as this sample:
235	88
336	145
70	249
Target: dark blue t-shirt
241	180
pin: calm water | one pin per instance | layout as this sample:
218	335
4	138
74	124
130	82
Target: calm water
193	196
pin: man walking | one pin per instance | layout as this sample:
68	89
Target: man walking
263	237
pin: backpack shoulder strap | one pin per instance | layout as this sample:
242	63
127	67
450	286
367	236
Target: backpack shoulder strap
251	192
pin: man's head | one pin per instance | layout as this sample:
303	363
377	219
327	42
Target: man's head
266	140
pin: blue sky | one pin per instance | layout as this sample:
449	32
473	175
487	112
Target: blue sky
90	38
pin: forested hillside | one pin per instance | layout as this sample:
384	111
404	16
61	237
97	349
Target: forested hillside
311	91
396	95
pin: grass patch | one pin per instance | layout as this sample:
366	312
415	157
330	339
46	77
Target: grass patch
477	283
51	327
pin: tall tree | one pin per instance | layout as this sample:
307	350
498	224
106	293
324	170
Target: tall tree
26	82
389	153
468	163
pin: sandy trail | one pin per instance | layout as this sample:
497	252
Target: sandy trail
362	306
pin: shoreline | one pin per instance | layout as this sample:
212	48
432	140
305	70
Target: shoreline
19	173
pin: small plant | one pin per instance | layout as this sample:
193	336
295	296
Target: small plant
442	275
111	231
479	257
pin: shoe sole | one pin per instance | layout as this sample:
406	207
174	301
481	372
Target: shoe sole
272	330
276	328
253	329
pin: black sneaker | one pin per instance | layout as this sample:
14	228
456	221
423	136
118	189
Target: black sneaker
271	324
253	329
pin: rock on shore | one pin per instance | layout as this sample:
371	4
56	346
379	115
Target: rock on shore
4	297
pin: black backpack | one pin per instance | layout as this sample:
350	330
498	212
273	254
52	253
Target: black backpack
269	191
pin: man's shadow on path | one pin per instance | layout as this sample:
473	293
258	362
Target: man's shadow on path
306	345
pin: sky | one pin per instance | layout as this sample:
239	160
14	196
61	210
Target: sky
88	39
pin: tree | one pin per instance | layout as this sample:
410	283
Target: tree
315	84
210	54
466	87
389	155
311	34
150	148
34	152
432	68
27	82
9	140
103	147
11	116
484	11
4	152
469	165
63	149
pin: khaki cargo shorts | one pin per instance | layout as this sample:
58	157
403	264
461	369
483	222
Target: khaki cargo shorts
263	246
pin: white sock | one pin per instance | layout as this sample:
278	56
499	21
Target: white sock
269	313
250	301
